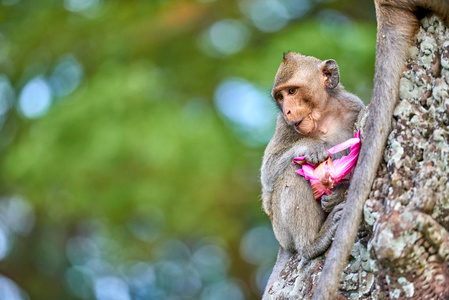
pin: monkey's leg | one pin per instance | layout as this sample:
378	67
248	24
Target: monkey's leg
324	237
396	28
281	261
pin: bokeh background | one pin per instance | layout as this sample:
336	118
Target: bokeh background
132	134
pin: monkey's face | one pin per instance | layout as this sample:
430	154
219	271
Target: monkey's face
301	90
298	106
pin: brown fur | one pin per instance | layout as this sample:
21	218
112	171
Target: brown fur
328	114
397	24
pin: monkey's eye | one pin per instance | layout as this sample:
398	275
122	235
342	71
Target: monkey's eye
279	96
292	90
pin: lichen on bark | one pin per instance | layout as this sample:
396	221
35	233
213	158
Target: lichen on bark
402	248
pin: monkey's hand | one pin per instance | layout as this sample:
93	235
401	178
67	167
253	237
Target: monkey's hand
315	153
338	195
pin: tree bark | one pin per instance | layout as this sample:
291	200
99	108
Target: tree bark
402	248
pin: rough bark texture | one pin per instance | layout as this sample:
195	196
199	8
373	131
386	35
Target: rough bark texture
402	249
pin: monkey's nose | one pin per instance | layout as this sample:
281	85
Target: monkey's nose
289	112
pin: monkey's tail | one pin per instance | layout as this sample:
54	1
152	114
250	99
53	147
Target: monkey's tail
396	28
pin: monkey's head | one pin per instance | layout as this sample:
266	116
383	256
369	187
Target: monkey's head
302	87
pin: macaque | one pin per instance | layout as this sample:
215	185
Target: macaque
397	23
316	113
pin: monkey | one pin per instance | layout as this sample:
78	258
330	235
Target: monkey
397	23
315	113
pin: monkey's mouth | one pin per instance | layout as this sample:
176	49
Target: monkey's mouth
298	123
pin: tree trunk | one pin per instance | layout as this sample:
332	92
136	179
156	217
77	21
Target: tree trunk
402	248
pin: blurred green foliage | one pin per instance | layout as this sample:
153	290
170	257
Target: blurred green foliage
138	151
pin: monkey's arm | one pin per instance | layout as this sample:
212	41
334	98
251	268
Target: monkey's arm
396	27
274	162
314	150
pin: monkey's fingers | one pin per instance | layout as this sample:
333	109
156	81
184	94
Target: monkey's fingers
337	212
338	195
328	202
317	155
322	155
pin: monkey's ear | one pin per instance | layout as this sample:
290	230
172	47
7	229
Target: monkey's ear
330	73
286	56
